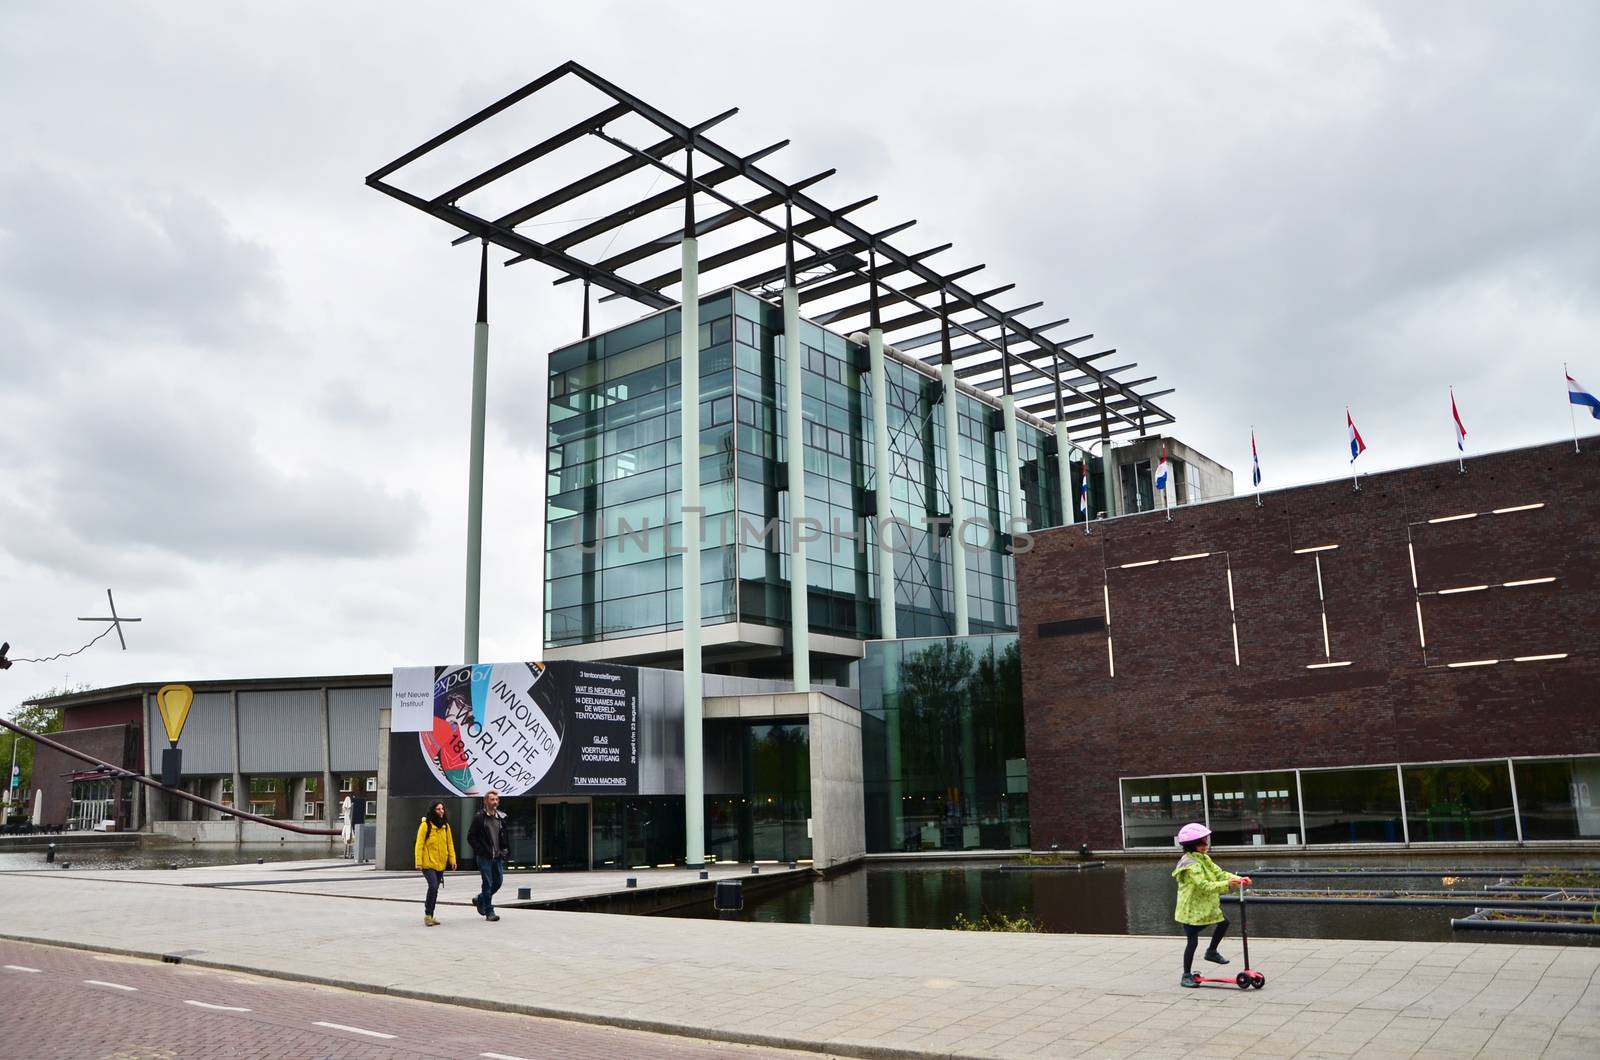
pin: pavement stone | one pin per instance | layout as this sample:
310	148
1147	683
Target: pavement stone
854	991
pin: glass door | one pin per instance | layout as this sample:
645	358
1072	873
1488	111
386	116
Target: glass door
564	834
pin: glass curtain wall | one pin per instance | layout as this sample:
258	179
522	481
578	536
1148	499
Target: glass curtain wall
1493	801
614	490
613	498
942	744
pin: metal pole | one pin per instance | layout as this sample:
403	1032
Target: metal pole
952	460
879	377
1571	412
1069	502
1516	807
1405	823
1008	413
794	428
1300	801
689	413
480	379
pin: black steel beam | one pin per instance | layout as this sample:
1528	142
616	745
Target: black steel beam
532	154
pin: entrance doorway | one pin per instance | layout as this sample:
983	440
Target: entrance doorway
564	833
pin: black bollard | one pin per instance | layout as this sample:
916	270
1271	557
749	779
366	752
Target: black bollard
66	864
524	893
704	875
50	853
794	865
755	870
172	864
633	881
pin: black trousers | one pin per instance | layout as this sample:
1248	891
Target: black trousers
434	877
1193	931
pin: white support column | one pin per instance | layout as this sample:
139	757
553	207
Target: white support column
1018	514
1069	499
882	459
480	384
693	707
794	429
952	459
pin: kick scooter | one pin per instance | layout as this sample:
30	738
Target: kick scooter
1247	978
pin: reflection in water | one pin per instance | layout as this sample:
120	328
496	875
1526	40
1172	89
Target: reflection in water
1131	898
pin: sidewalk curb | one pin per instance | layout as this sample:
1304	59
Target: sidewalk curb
677	1030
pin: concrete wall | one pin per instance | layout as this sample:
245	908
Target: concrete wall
1179	703
838	809
236	831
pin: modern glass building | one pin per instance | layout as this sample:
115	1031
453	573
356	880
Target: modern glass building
739	491
614	499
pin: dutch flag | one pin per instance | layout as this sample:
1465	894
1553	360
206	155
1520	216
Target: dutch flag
1461	430
1255	460
1357	446
1579	396
1161	471
1083	494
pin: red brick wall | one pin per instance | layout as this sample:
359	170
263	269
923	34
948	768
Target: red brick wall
117	744
1179	704
126	711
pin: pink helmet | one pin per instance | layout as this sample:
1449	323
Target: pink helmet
1192	831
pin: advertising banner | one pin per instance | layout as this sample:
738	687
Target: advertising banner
526	728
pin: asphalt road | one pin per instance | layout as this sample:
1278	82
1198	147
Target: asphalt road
75	1005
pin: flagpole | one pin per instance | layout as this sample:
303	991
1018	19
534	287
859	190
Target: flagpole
1455	427
1571	414
1355	481
1255	465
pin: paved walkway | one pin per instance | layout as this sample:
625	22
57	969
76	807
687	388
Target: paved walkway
341	878
856	991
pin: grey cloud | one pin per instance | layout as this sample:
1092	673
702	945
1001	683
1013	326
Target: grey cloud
192	484
106	262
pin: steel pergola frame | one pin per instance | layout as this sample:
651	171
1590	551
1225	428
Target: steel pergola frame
846	274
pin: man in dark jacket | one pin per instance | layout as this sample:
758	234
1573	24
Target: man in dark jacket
487	838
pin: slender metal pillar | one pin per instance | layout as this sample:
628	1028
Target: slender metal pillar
1008	412
1069	499
794	428
882	459
480	383
693	684
952	459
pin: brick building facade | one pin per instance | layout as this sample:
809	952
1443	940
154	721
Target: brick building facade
110	731
1326	627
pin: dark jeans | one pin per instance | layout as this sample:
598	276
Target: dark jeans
493	873
1193	931
435	877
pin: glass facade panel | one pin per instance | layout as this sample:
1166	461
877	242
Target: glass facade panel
1559	798
942	744
1461	803
1352	805
614	461
1154	808
1247	805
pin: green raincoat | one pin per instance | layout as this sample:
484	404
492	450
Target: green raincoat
1200	887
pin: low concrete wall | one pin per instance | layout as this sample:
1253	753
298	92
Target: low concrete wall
236	832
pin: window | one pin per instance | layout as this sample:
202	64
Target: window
1245	806
1559	798
1153	809
1352	805
1468	802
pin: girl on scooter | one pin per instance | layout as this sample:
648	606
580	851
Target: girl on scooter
1200	886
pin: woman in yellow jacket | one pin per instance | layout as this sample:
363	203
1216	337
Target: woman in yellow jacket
436	852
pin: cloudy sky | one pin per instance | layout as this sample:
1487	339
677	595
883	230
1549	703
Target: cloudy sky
234	381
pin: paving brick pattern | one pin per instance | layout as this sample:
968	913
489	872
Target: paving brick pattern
1178	703
860	991
53	1013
